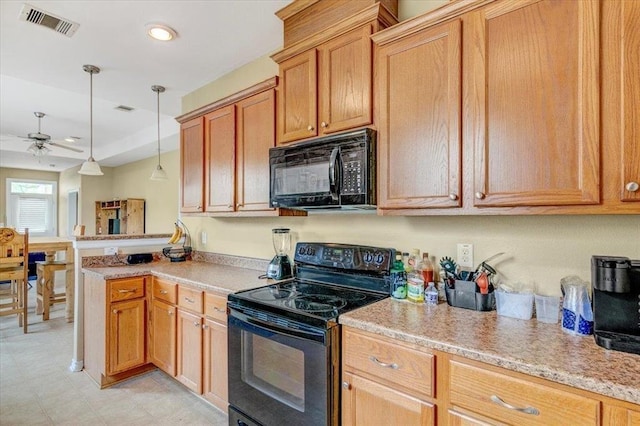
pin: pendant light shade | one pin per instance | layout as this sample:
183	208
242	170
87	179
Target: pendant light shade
158	173
90	167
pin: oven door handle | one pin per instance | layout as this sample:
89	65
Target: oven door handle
333	174
245	321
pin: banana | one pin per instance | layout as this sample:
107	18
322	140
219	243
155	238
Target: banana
177	234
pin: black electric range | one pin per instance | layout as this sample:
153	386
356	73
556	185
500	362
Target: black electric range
284	338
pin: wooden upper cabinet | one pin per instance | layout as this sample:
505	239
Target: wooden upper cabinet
191	165
256	133
344	81
220	137
418	101
297	97
626	52
532	102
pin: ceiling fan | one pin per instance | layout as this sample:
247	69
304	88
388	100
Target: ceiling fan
37	147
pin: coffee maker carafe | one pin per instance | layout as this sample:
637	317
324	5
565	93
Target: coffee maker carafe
616	302
280	267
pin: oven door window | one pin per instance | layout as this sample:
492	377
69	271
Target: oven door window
277	377
274	369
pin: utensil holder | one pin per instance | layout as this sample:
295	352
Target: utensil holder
464	295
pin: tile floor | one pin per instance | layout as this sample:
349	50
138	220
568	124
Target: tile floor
37	388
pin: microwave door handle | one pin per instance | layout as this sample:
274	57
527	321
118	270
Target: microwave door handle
333	178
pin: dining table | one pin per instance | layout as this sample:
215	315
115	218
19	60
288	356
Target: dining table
51	246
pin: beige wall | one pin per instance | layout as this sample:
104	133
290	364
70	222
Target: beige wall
539	249
128	181
6	173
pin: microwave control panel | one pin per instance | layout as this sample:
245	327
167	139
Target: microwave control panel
353	170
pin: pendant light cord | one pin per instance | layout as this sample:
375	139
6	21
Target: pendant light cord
158	96
91	113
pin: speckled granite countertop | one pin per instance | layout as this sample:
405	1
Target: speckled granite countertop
530	347
222	279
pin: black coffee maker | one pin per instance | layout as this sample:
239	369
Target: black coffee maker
616	302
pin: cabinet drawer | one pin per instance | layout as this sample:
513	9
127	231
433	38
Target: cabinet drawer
390	362
190	299
165	290
126	289
478	389
215	307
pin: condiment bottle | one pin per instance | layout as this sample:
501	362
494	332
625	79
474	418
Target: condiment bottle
431	294
426	268
415	287
412	263
398	279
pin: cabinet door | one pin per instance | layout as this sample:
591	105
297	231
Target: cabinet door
365	402
191	165
220	139
126	336
532	103
189	363
459	419
134	217
418	102
297	98
628	51
619	416
344	81
162	345
256	134
215	364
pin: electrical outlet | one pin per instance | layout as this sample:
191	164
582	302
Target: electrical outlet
465	255
203	237
110	250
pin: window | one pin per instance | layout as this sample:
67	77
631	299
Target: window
32	204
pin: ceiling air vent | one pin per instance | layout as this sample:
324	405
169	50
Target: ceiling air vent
40	17
124	108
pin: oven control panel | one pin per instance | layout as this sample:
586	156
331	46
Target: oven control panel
345	256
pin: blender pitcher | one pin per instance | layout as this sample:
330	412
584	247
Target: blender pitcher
280	267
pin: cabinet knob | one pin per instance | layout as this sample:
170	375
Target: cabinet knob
239	205
115	311
346	385
170	313
205	326
189	300
324	124
480	195
197	324
310	128
453	196
632	186
164	292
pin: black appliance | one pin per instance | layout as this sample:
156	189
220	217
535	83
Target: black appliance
284	338
333	172
616	302
134	259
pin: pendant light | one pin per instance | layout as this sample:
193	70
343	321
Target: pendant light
91	167
158	173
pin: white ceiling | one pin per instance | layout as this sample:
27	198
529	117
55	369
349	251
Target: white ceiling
41	70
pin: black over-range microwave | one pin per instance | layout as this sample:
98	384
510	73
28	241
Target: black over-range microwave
336	172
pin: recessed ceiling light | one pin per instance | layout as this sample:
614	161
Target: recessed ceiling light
161	32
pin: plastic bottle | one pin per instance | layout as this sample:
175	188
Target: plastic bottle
398	279
415	287
431	294
412	263
426	268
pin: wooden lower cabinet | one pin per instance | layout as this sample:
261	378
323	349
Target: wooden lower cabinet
115	332
382	378
365	402
215	387
189	365
162	341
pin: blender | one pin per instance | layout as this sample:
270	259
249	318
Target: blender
280	267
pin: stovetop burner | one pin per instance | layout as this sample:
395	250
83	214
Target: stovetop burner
316	303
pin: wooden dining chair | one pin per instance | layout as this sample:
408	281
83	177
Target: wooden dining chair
14	274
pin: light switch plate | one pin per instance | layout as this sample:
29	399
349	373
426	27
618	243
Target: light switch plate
465	255
203	237
110	250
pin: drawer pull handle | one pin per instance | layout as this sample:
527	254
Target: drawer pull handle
384	364
164	292
222	311
127	291
189	300
526	410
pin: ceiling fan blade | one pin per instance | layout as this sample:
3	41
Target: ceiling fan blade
65	147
